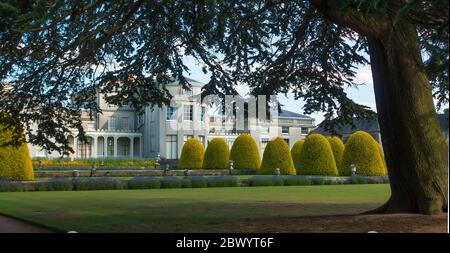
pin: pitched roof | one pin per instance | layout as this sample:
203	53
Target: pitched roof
288	114
372	126
360	125
191	81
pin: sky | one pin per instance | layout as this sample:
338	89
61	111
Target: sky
362	94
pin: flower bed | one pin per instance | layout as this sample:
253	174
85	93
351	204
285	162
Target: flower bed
109	162
102	172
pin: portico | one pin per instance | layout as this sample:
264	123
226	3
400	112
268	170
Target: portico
104	143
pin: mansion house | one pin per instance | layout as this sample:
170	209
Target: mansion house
121	132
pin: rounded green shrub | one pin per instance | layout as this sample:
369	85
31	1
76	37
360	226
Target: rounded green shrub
295	152
217	154
364	151
191	155
277	155
337	146
316	157
15	162
245	154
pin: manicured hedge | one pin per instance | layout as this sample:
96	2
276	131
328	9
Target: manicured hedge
223	181
337	146
15	162
316	157
364	151
245	153
295	152
277	155
217	154
144	183
67	184
192	155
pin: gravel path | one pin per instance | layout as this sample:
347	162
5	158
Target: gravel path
10	225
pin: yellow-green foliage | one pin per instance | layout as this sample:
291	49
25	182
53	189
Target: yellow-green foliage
245	153
295	152
15	162
192	155
277	155
364	151
337	146
316	157
217	154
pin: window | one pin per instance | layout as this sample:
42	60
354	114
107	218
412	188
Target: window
187	113
285	130
188	93
123	123
110	147
287	141
305	130
171	113
171	146
202	114
112	123
140	119
84	149
202	139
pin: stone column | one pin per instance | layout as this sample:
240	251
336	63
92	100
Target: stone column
131	146
141	146
75	147
105	146
94	149
115	146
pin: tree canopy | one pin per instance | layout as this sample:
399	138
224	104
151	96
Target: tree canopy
56	54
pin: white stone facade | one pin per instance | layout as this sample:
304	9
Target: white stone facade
120	132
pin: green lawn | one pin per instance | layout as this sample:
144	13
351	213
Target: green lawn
186	210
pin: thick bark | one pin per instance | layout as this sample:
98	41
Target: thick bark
415	150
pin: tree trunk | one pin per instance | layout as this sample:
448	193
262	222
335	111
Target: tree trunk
414	147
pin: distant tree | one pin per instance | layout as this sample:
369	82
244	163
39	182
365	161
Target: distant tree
55	55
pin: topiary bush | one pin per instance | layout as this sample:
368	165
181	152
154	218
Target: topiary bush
316	157
217	154
245	153
192	155
337	146
364	151
277	155
15	162
295	152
